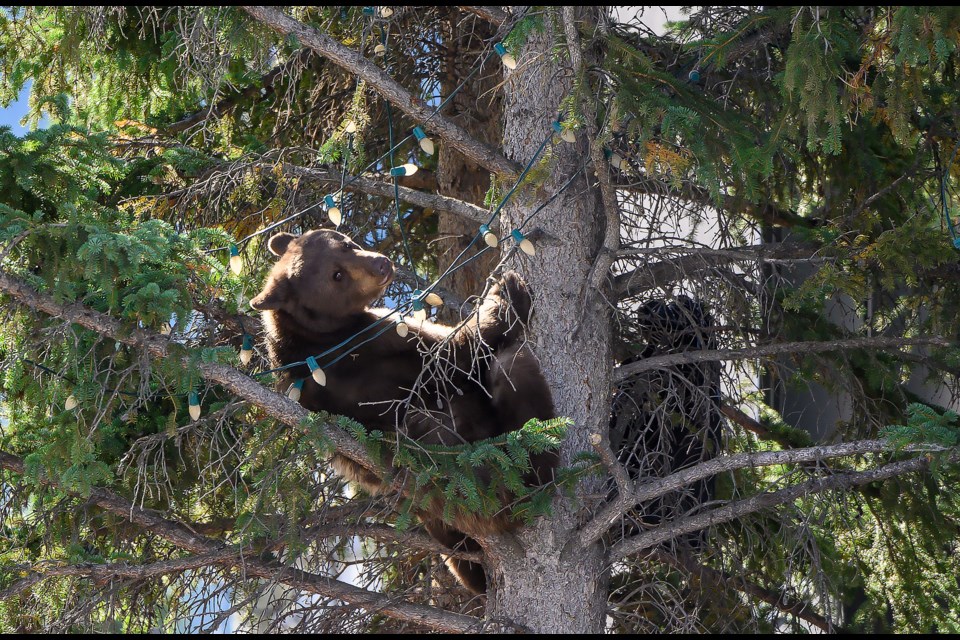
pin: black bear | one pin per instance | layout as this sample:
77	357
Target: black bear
665	420
484	381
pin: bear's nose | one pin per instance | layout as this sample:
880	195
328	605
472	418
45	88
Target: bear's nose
384	266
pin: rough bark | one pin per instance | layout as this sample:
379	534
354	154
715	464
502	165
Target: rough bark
533	582
478	108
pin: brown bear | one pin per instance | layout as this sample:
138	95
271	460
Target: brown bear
438	384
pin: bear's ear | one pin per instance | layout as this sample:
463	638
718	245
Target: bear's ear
278	244
272	297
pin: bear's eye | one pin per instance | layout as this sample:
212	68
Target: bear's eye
338	276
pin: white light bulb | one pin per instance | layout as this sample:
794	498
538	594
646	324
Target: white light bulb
194	405
567	135
71	403
427	145
420	315
351	127
402	328
433	300
410	169
386	12
319	377
294	391
246	355
379	50
617	161
491	239
236	264
527	247
335	216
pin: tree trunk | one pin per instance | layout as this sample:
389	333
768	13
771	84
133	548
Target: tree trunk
544	580
478	108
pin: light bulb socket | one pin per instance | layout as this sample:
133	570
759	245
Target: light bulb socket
194	399
557	126
418	133
329	201
517	236
500	49
369	11
234	251
247	342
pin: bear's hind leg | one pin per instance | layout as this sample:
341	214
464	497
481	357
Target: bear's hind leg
470	574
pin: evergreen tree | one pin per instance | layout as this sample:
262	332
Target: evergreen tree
756	205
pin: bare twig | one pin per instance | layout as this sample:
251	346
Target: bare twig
227	104
782	601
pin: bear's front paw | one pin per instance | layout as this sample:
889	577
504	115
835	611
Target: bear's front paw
516	293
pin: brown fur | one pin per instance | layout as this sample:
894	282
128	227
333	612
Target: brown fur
307	311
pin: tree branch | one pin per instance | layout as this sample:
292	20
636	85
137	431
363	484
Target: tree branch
657	487
275	405
181	536
670	270
373	187
117	570
480	153
714	355
752	504
493	15
768	213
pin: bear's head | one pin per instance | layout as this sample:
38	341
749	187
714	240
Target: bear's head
322	276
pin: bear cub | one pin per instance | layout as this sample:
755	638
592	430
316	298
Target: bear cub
438	384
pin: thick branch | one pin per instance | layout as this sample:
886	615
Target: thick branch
274	404
374	187
657	487
181	536
118	570
493	15
768	213
670	270
480	153
714	355
753	504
